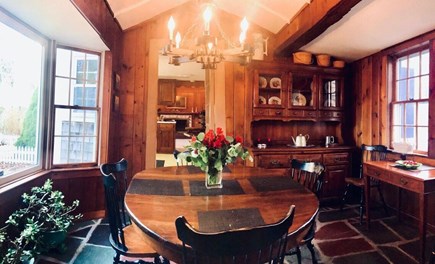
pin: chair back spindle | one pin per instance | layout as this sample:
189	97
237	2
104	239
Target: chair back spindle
263	244
308	174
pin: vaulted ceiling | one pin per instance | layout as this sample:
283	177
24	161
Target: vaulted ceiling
368	27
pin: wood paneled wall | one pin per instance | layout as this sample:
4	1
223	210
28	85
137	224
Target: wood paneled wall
135	89
371	76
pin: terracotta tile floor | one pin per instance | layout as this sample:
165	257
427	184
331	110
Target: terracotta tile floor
339	239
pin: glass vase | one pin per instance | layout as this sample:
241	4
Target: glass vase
213	181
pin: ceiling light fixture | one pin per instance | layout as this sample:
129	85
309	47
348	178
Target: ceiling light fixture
207	49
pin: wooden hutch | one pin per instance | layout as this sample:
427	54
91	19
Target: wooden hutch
290	99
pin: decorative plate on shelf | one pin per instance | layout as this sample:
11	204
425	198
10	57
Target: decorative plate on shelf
262	82
262	100
275	83
299	99
407	164
274	100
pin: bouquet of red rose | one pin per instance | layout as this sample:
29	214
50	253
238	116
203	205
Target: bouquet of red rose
212	151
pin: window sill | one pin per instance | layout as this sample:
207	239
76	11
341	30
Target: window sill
53	174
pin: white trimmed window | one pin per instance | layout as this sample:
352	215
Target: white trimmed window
76	107
410	104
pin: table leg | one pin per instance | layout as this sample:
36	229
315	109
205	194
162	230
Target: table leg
367	199
422	225
399	202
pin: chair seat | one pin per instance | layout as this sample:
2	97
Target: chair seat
136	244
355	181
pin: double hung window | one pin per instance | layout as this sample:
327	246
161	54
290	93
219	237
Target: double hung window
410	101
76	107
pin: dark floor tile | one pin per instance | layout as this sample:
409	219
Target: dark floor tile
412	248
344	246
363	258
395	255
335	215
306	256
81	233
406	231
100	236
334	231
378	233
92	254
45	261
72	244
79	225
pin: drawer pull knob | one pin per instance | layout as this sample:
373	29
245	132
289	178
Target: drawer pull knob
403	181
278	112
275	162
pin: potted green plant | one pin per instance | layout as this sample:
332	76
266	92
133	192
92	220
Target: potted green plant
41	224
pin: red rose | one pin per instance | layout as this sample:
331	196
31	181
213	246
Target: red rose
239	139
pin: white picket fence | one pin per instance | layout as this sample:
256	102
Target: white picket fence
13	154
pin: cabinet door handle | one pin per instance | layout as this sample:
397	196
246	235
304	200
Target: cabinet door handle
278	112
403	181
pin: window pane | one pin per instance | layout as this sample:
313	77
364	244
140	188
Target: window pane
410	114
61	114
398	114
21	60
424	87
410	135
62	91
413	88
91	123
402	68
401	91
425	62
423	135
423	114
398	134
63	62
414	65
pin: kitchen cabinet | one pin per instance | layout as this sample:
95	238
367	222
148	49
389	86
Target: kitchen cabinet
166	92
337	162
296	92
165	137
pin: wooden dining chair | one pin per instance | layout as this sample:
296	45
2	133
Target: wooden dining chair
124	239
368	153
310	175
262	244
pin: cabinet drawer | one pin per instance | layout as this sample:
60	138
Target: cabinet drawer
310	114
296	113
274	161
331	114
276	112
374	172
308	157
261	112
336	158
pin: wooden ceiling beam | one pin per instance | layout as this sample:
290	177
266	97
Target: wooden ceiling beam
312	21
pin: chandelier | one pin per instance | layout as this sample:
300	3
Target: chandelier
206	49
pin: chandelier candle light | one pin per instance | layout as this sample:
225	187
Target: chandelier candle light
206	50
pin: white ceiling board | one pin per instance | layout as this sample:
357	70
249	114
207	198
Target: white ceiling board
133	12
189	71
268	14
58	20
373	25
272	15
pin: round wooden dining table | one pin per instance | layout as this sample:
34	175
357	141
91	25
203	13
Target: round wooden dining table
250	197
